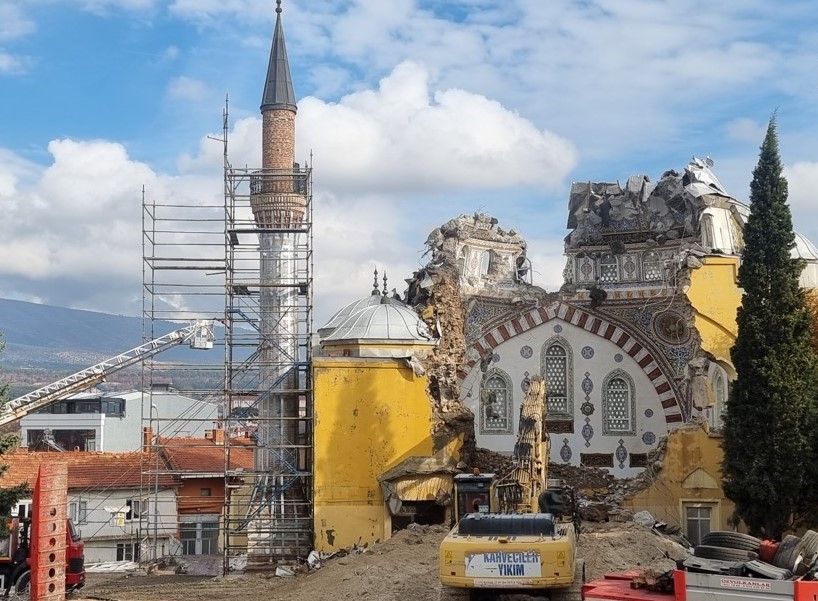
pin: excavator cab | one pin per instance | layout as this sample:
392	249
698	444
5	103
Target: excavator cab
474	493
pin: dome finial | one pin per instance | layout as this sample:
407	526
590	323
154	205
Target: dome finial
384	283
278	6
375	291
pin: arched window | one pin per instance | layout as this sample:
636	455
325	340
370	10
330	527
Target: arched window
618	404
461	260
558	367
652	266
495	403
720	398
708	234
608	269
485	263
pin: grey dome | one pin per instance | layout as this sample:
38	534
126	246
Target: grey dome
389	320
373	300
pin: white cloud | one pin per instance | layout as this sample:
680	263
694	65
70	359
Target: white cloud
186	88
13	23
802	178
746	130
11	64
404	137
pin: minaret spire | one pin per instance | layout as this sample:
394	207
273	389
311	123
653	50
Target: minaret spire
278	88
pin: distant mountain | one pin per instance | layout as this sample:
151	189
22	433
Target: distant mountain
46	337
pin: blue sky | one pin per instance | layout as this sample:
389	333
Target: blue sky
415	111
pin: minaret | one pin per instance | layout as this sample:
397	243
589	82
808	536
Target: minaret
279	528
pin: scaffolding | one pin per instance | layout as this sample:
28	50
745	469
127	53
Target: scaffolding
182	390
268	390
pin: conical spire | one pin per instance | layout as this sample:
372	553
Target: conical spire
278	89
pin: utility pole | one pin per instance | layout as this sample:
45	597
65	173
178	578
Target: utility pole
156	486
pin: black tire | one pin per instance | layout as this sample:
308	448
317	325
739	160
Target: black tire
722	553
732	540
22	588
788	552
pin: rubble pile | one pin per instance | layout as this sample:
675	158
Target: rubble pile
434	293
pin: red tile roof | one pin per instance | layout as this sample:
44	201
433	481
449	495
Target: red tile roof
85	469
203	456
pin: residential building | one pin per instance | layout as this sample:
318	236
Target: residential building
112	422
119	504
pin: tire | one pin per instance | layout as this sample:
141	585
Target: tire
788	552
732	540
22	588
810	540
766	570
722	553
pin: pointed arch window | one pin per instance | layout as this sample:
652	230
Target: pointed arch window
558	367
708	233
496	403
608	268
485	263
652	266
720	401
618	404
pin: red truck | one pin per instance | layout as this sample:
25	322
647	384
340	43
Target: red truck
15	558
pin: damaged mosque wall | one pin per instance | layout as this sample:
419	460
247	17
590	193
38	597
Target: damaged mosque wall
634	345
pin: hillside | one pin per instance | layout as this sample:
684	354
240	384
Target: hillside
44	343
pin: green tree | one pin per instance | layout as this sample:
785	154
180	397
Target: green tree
8	442
769	455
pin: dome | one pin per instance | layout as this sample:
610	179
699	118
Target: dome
389	320
804	249
373	300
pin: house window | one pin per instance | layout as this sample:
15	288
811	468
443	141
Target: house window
608	269
113	407
135	509
652	267
200	537
698	520
205	492
618	405
78	511
127	551
558	368
496	403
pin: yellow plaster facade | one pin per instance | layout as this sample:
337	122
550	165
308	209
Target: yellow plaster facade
715	296
689	485
370	414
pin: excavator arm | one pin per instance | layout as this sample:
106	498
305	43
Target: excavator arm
519	490
199	334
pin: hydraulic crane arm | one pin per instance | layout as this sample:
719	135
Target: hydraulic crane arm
199	334
519	490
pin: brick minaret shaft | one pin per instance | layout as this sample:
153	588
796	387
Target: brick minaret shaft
278	106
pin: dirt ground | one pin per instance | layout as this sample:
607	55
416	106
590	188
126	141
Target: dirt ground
404	568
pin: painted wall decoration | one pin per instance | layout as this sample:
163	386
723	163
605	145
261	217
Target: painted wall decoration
565	451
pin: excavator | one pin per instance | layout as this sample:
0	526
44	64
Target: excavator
516	531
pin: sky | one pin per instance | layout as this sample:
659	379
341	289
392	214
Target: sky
413	111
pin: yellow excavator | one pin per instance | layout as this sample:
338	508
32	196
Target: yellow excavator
514	531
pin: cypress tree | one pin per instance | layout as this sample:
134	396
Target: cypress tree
769	454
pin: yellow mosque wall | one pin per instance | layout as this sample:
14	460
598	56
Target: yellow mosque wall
689	483
370	414
715	296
